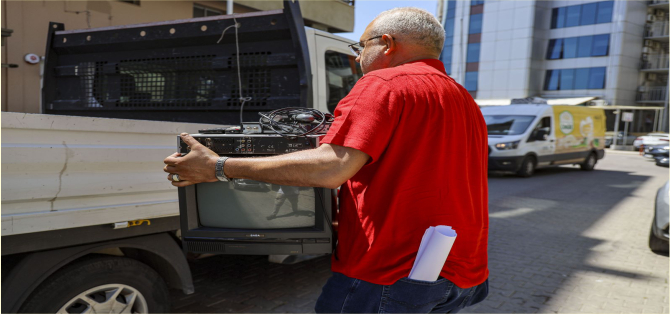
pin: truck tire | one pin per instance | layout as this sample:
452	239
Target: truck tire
107	284
657	245
589	163
527	167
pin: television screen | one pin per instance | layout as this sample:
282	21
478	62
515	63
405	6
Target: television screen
249	204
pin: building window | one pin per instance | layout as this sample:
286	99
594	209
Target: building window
551	80
578	47
605	12
135	2
589	14
569	79
570	48
475	24
200	11
597	78
584	44
473	52
581	78
471	79
555	49
601	45
572	16
558	18
585	14
476	2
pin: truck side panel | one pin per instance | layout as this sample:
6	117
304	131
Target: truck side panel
62	172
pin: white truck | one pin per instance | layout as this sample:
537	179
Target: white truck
89	221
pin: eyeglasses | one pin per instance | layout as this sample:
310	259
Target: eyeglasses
359	46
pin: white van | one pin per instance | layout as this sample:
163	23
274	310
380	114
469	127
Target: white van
523	138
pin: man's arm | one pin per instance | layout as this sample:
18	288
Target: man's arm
326	166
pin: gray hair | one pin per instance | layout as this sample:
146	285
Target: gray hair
412	24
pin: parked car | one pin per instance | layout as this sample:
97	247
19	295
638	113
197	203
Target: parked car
656	151
658	237
662	161
609	138
651	139
648	149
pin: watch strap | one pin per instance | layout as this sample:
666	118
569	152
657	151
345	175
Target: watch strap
219	169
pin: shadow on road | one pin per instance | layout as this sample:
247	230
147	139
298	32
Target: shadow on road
537	241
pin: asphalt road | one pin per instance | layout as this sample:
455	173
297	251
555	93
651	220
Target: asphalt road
562	241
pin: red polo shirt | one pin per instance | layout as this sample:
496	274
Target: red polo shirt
428	146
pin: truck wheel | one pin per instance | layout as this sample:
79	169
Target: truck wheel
589	163
657	245
101	284
527	167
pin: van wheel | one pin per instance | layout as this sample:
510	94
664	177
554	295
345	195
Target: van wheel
589	163
101	284
527	167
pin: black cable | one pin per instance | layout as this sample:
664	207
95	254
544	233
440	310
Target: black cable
294	128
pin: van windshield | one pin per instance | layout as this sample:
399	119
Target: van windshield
507	125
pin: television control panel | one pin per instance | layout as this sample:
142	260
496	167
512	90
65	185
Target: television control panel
251	144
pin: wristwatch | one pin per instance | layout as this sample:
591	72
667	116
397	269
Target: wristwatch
219	169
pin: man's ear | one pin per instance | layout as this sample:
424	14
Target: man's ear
390	44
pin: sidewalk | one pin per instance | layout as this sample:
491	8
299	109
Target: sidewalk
623	152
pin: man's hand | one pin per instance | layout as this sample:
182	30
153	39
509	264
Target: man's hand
196	167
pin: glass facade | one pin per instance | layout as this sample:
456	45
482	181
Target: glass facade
569	79
472	58
473	52
471	79
448	47
475	24
583	14
578	47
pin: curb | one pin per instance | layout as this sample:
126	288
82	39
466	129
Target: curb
622	152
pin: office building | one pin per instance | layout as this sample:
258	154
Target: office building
611	54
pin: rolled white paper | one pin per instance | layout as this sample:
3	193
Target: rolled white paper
433	252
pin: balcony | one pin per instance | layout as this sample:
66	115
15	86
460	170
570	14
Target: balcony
652	94
655	63
657	31
658	4
334	16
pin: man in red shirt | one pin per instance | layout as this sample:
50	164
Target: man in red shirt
409	149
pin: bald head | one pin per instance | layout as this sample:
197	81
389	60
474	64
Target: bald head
411	25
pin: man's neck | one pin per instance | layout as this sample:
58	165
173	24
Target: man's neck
411	59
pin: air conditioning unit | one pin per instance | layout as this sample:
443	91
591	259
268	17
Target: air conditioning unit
642	88
651	18
651	76
646	50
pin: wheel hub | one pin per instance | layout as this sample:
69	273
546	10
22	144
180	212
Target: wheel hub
112	298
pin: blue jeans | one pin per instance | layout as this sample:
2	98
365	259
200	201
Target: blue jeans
342	294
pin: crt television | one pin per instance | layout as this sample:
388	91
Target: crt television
251	217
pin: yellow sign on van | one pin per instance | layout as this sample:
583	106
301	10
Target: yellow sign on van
579	128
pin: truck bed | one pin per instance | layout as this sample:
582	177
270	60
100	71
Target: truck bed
62	172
